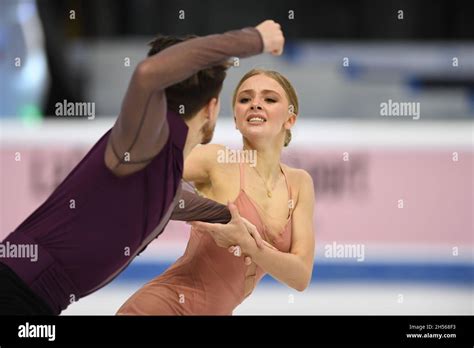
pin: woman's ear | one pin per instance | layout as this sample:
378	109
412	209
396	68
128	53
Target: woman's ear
290	121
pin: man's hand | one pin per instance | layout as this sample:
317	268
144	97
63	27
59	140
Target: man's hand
272	36
233	233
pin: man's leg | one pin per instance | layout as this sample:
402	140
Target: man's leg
16	298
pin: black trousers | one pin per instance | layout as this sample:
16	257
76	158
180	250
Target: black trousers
16	298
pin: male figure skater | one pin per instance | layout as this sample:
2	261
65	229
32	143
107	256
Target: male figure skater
123	192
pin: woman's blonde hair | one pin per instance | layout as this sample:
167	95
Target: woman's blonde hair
283	82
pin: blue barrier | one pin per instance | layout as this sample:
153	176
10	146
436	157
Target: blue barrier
458	274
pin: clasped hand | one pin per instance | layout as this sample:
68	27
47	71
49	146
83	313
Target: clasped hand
239	235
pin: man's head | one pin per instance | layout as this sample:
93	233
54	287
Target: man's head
198	95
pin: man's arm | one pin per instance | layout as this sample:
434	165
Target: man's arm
141	130
192	207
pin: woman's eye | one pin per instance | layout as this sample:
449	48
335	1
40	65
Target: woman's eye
270	100
244	100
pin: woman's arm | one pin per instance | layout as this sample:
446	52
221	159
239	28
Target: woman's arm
293	268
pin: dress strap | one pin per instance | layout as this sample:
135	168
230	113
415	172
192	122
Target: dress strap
242	176
288	187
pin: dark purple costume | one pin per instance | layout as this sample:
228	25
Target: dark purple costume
96	222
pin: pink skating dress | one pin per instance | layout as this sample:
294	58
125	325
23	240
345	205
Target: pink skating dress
208	279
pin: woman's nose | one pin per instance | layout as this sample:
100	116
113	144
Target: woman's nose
255	107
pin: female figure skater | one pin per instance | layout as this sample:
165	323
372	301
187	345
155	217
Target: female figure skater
276	199
122	194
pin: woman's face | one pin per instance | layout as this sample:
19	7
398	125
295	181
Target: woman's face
261	109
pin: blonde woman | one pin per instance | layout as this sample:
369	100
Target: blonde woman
267	197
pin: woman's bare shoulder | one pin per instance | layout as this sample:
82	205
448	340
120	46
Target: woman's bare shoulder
208	148
207	153
215	158
298	178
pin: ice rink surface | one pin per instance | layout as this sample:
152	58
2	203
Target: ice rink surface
319	299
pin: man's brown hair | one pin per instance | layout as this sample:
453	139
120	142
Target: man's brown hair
196	91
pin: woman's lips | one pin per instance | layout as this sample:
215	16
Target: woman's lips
256	119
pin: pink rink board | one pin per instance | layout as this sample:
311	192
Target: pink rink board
356	200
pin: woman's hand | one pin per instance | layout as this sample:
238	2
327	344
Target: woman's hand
233	233
237	250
